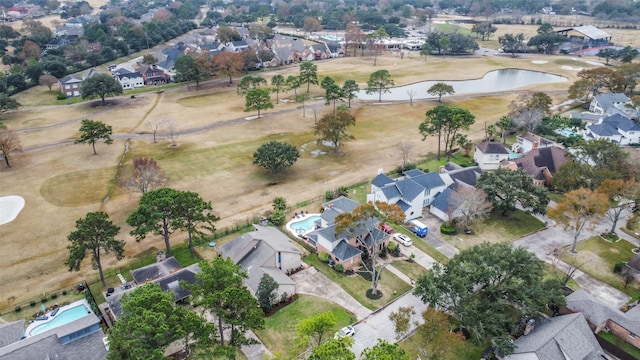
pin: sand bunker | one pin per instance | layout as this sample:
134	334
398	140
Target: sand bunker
10	207
594	63
539	62
567	67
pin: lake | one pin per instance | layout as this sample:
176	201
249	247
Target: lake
497	80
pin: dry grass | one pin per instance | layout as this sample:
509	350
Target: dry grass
61	182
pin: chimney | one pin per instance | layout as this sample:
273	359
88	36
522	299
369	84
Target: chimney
380	171
531	324
441	169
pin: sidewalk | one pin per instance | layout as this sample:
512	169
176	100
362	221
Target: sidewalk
399	274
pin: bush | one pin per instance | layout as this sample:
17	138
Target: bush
64	292
32	303
54	296
43	299
328	195
339	268
394	249
18	309
412	258
399	169
323	256
383	253
61	96
617	268
448	228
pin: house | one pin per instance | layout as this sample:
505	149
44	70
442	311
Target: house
557	338
488	155
529	141
440	206
632	267
79	339
601	317
128	79
586	35
266	250
616	128
610	104
167	272
70	85
541	163
335	49
153	75
60	41
68	30
236	46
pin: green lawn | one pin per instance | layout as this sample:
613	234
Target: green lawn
597	258
550	273
357	286
630	349
411	269
468	350
279	332
422	245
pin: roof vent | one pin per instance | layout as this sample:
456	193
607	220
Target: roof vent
380	171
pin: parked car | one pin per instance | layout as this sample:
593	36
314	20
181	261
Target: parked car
403	239
386	228
344	332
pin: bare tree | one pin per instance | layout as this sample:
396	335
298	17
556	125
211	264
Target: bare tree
154	126
146	175
572	266
469	203
48	80
405	148
172	131
411	93
528	119
9	143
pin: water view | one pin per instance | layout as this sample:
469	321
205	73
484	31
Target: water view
497	80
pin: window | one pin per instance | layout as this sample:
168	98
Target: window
632	335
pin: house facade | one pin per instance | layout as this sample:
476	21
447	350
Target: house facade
153	75
615	128
128	79
70	85
529	141
489	154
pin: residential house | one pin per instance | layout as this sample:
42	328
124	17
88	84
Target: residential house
335	49
412	192
616	128
440	206
68	30
266	250
541	163
60	41
81	21
557	338
236	46
153	75
70	85
167	272
611	104
321	51
601	317
529	141
488	155
632	267
128	79
79	339
289	49
16	12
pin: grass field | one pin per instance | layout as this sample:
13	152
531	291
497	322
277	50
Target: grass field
61	181
280	328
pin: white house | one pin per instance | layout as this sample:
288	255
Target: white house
488	155
529	141
128	79
610	104
616	128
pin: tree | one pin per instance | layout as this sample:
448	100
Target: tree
336	349
278	82
312	330
266	293
470	203
48	80
311	24
545	41
219	288
491	289
9	143
275	156
149	59
484	29
384	351
350	90
94	233
8	103
438	89
446	121
527	110
229	64
279	214
186	69
334	128
379	82
511	43
627	54
147	175
194	215
578	210
308	74
608	160
100	85
293	83
150	322
425	50
608	54
360	224
376	38
622	196
157	213
597	79
227	34
505	124
443	44
258	99
250	82
507	188
353	37
91	131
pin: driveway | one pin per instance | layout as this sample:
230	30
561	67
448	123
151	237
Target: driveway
312	282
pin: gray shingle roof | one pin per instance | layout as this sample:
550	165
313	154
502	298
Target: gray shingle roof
343	251
409	189
429	180
391	192
441	201
621	122
560	338
11	332
381	180
155	270
413	173
608	100
598	313
468	175
492	147
589	31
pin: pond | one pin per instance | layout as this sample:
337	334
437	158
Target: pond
493	81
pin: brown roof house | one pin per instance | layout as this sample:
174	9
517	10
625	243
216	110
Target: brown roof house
541	163
153	75
489	154
530	141
266	250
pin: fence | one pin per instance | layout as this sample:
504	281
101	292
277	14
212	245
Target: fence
613	349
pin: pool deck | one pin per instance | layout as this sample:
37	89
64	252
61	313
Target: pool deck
51	315
296	219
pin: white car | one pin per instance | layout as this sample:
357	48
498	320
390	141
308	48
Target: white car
402	239
344	332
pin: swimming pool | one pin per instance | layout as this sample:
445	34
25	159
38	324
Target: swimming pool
300	227
65	315
567	133
513	155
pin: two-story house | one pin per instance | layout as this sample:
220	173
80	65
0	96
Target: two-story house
489	154
153	75
616	128
70	85
541	164
610	104
128	79
529	141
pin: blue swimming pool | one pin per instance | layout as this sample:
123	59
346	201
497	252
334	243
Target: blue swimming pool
305	225
513	155
63	316
567	133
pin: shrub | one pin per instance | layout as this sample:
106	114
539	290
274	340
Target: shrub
323	256
54	296
617	268
339	268
448	228
383	253
328	195
61	96
43	299
412	258
18	308
64	292
394	249
32	303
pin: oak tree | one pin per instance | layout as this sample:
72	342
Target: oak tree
335	349
622	196
438	89
275	156
48	80
228	64
507	188
334	128
94	234
100	85
146	175
469	203
313	330
8	103
91	131
9	143
194	216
